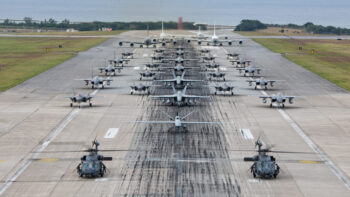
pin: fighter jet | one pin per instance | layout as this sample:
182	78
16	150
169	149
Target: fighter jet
110	69
80	98
179	97
128	55
241	63
148	74
216	75
279	99
249	70
140	88
208	58
261	82
179	81
180	125
152	65
95	81
232	55
212	66
119	61
159	50
204	51
179	68
223	88
147	41
179	60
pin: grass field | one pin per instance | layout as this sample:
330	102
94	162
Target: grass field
23	58
331	59
62	33
275	31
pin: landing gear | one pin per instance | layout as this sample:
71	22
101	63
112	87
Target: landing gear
224	79
71	105
270	105
215	93
232	93
282	105
90	104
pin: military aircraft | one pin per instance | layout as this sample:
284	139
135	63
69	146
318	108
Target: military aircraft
214	40
95	81
204	51
80	98
148	74
212	66
249	70
223	88
241	63
261	82
208	58
157	58
152	65
110	69
158	50
178	68
279	98
119	61
179	60
140	88
232	55
179	81
216	75
179	97
91	165
200	35
264	166
180	125
128	55
147	41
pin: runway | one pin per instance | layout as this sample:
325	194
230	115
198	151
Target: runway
37	126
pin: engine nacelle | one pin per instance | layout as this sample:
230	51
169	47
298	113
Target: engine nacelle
240	42
174	43
188	41
220	44
271	84
163	44
154	40
264	100
131	44
199	43
120	43
291	100
250	83
230	43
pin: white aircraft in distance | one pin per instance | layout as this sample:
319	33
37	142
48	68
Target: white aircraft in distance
279	99
147	41
214	40
178	121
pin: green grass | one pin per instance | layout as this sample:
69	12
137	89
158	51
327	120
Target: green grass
330	61
24	58
79	33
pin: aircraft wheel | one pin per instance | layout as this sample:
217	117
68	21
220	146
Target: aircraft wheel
90	104
209	79
215	93
271	105
255	88
231	93
103	87
71	105
224	79
254	175
140	78
282	105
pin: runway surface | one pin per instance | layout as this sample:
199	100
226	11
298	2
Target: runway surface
37	126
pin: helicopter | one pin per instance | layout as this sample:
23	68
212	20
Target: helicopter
91	165
264	165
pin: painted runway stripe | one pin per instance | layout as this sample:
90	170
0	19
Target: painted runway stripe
51	137
112	132
313	146
247	134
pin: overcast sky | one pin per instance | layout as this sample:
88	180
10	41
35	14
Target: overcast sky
325	12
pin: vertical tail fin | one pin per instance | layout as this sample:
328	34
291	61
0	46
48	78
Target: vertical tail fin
174	90
184	91
162	27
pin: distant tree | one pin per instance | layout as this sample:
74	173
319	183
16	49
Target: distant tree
52	22
7	21
250	25
28	20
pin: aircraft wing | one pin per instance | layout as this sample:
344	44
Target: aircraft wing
191	80
167	80
264	97
194	96
164	96
188	122
155	122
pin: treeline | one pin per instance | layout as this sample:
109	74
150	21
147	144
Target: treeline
253	25
91	26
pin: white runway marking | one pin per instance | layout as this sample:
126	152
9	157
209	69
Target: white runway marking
145	55
42	147
223	68
313	146
112	132
247	134
53	135
253	180
101	180
137	68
